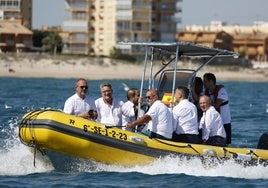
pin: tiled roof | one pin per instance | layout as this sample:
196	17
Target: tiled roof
10	27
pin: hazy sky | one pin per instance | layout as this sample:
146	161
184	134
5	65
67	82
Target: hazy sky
201	12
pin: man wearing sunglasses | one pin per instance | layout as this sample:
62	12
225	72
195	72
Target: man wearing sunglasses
158	117
80	104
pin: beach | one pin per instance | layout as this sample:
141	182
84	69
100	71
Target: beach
48	66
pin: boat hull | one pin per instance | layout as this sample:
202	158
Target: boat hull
71	135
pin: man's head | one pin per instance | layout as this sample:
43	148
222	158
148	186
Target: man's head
152	96
133	95
81	88
204	102
106	92
209	80
181	93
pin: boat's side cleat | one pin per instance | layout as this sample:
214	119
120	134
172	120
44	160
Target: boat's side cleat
137	140
210	152
243	157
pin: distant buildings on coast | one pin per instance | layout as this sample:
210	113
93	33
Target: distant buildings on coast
95	27
250	41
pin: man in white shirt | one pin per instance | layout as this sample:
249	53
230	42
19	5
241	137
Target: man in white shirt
159	115
213	132
109	109
219	98
131	110
185	118
80	104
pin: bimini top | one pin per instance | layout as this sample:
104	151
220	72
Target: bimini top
181	48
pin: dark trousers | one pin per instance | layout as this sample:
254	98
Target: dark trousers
216	141
228	130
188	138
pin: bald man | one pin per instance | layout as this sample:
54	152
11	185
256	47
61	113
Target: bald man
158	116
213	132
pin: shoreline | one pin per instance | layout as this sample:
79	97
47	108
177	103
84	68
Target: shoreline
46	66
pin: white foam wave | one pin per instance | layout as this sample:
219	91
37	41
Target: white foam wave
16	158
19	161
192	167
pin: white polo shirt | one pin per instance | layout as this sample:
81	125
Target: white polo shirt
128	113
109	115
211	124
75	105
161	122
185	118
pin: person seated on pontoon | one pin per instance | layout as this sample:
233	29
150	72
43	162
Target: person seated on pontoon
109	108
131	110
185	118
158	117
80	104
213	132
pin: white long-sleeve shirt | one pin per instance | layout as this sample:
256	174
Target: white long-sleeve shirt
75	105
109	115
161	122
128	113
211	124
185	118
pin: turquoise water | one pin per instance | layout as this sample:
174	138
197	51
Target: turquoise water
249	108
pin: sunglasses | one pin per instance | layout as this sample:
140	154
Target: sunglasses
84	87
150	97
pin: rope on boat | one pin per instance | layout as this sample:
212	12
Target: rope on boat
235	155
194	149
185	146
34	156
27	122
251	152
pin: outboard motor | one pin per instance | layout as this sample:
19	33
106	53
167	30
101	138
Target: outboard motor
263	141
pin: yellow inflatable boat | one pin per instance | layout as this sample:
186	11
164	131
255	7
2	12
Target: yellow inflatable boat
54	130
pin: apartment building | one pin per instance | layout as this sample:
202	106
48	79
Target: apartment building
19	10
95	27
10	9
14	36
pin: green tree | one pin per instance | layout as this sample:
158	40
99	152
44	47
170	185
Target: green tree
52	42
38	36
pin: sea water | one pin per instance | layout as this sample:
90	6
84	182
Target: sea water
249	109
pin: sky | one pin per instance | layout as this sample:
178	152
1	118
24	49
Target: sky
199	12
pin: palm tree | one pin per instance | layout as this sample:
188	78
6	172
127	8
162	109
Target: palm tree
52	42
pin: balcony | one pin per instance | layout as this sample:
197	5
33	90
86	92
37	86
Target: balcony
79	5
75	25
123	4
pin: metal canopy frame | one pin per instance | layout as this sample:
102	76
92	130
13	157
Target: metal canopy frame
178	49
